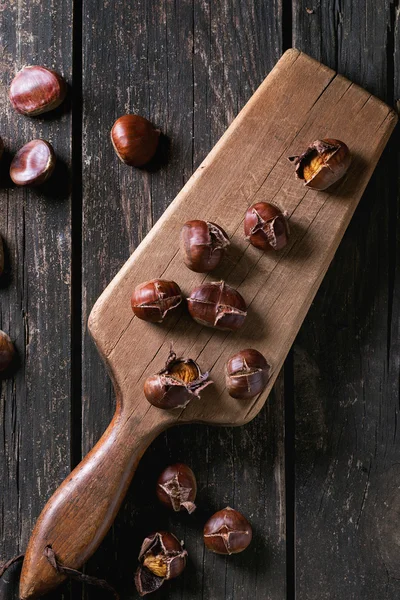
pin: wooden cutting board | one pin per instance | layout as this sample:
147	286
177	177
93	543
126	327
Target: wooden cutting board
300	100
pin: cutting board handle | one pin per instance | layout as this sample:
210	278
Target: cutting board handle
79	514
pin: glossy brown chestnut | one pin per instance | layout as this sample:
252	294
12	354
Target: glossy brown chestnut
323	163
7	351
217	305
266	227
36	90
161	557
177	488
203	245
152	300
135	140
177	384
227	532
246	374
33	164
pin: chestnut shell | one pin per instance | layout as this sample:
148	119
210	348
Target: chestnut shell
36	90
135	140
247	374
33	164
170	388
168	552
266	226
203	245
227	532
217	305
152	300
177	488
323	163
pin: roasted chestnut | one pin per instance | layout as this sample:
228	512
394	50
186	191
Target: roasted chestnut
203	245
246	374
217	305
135	140
152	300
33	164
177	384
227	532
323	163
7	351
161	557
177	488
266	227
36	90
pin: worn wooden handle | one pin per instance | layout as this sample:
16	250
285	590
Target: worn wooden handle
82	510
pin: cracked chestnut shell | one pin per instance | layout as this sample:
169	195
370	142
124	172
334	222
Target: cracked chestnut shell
162	557
177	384
33	164
323	163
266	227
7	351
217	305
246	374
152	300
227	532
177	488
203	245
135	140
36	90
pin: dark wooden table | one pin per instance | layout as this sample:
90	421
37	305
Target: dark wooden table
318	471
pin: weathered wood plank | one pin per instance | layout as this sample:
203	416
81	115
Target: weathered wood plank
189	68
347	354
35	305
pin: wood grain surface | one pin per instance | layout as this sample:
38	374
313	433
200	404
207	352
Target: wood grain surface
190	67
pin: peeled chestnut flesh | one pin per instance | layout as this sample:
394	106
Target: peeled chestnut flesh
7	351
217	305
323	163
33	164
177	488
177	384
161	557
266	226
135	140
153	300
36	90
246	374
227	532
203	245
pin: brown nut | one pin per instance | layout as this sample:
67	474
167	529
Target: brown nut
177	384
152	300
177	488
227	532
246	374
217	305
33	164
203	245
162	557
7	351
36	90
266	227
323	163
135	140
